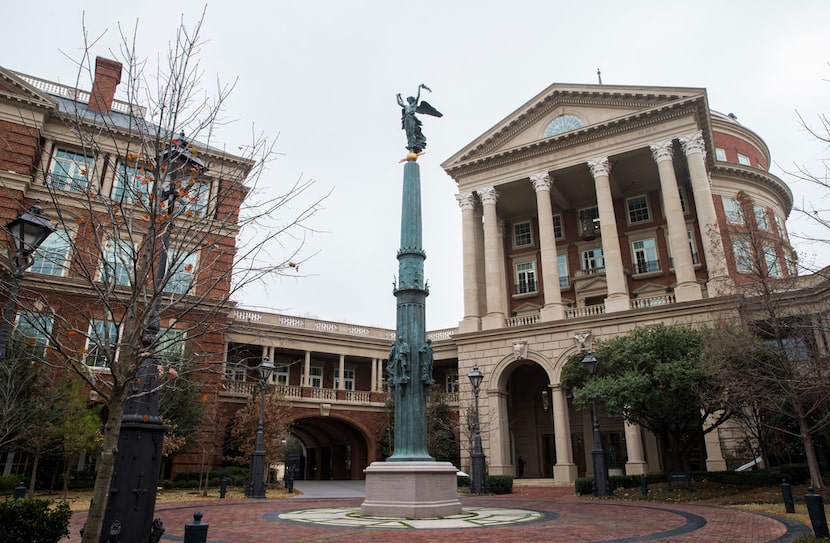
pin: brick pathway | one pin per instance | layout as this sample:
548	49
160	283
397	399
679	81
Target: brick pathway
567	519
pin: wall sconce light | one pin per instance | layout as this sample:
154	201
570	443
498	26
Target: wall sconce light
545	401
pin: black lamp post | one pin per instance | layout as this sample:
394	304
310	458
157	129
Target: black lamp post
601	485
132	500
256	483
478	481
28	231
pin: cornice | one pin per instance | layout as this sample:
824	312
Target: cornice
760	177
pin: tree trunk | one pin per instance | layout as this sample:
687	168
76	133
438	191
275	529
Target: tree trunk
31	492
103	480
810	452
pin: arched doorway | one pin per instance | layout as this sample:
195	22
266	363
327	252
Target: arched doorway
331	448
529	411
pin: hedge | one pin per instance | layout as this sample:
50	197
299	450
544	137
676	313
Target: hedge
34	521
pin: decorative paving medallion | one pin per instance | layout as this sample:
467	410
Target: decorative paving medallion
470	517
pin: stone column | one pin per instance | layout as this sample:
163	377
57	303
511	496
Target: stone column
720	283
684	270
495	432
636	464
564	471
373	384
618	299
307	369
493	254
472	314
478	214
714	453
341	372
553	309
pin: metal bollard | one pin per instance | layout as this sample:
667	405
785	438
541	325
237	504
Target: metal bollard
815	507
787	494
223	487
19	491
196	531
644	485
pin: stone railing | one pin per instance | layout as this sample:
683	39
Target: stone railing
653	301
290	391
521	320
438	335
304	323
323	393
587	311
65	91
357	396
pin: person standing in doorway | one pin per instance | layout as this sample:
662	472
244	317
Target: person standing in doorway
521	464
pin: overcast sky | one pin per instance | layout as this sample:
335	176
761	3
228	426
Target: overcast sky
323	76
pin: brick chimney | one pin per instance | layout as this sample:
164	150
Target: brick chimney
107	78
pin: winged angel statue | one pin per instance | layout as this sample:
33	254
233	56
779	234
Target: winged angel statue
415	140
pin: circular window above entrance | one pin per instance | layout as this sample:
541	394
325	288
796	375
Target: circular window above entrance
563	123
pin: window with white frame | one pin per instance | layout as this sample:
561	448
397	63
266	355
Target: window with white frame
695	256
170	345
733	211
589	222
558	227
743	255
771	260
101	344
720	154
779	224
645	256
35	328
182	265
522	234
132	184
682	194
348	379
236	370
196	195
119	262
70	170
592	260
282	373
792	265
743	159
315	377
637	209
562	266
52	257
761	218
525	277
451	381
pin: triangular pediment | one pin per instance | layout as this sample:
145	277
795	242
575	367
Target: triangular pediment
567	111
13	87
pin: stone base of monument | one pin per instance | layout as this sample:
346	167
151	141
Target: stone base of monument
411	490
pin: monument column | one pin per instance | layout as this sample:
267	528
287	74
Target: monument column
553	309
614	275
493	269
636	464
687	287
719	281
472	316
564	471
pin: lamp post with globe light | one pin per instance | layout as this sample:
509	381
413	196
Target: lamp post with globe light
256	483
601	485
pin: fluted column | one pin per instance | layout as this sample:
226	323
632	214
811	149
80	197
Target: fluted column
636	464
307	368
469	248
684	269
720	283
493	268
553	309
564	471
341	373
614	274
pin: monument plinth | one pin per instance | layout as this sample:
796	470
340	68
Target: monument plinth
410	483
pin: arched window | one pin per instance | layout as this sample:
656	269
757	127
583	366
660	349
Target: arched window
563	123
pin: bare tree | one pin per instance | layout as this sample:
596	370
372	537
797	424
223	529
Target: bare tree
159	227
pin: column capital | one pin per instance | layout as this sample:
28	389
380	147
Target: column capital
662	151
488	195
693	143
599	166
541	181
466	200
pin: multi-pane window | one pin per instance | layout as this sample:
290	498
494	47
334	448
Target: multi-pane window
315	377
101	343
637	209
682	200
52	257
182	266
195	198
562	266
732	209
743	255
592	260
771	260
34	327
792	265
348	379
132	184
522	234
119	261
558	228
236	371
281	374
743	159
761	218
589	222
720	154
695	256
525	277
170	345
645	256
779	224
70	170
451	386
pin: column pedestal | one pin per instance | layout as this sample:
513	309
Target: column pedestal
411	490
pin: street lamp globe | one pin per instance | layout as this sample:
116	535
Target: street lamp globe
265	368
29	230
476	377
